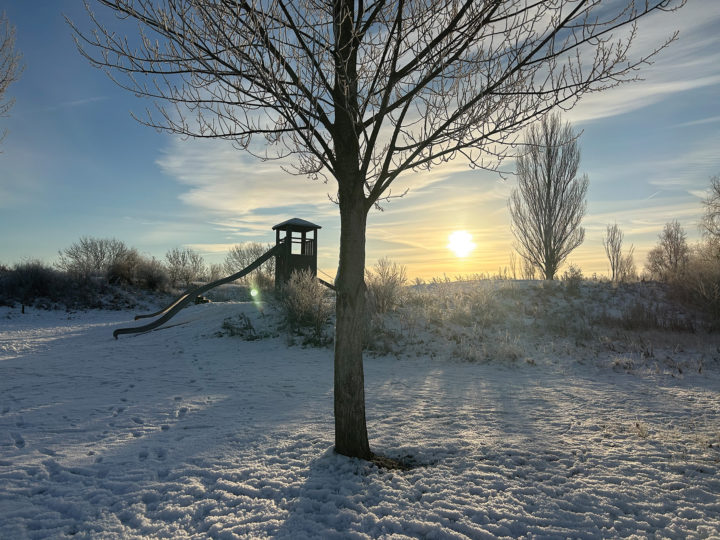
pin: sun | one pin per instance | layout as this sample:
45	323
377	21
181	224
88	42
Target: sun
460	243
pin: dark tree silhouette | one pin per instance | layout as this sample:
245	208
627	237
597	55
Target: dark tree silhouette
361	92
547	206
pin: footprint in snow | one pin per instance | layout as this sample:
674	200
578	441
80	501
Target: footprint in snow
160	453
137	420
182	412
143	455
19	441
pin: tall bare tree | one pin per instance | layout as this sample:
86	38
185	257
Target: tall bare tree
612	242
622	267
547	206
361	92
10	68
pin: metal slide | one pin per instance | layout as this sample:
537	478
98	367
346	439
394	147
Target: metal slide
190	296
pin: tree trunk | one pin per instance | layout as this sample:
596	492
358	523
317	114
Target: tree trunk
351	437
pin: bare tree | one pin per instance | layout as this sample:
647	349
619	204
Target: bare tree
622	267
242	255
184	266
361	92
612	242
547	206
710	222
92	257
668	260
10	68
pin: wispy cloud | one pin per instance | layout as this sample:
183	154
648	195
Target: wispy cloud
692	62
76	103
700	122
240	192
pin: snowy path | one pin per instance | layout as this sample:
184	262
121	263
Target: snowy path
181	434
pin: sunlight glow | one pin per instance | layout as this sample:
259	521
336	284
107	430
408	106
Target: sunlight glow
460	243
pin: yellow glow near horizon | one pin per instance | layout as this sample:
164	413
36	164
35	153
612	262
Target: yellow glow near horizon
460	243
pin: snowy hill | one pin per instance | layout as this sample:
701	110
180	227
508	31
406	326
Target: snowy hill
527	412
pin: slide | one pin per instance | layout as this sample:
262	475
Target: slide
190	296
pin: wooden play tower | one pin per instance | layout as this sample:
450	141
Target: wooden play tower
296	241
295	249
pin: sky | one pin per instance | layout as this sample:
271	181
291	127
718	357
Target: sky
75	163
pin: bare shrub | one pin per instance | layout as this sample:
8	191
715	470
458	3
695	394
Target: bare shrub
701	281
243	255
528	270
307	303
91	257
385	284
626	269
123	269
572	277
151	274
183	266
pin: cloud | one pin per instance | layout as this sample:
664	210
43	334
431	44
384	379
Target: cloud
691	62
702	121
76	103
241	192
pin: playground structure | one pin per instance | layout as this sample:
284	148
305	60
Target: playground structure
295	250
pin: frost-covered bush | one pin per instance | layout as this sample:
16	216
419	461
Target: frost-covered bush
32	280
385	284
151	274
306	303
700	284
123	269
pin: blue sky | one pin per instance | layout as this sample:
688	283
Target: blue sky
74	163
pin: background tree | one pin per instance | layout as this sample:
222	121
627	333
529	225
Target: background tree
9	65
622	267
93	257
242	255
361	92
547	206
668	260
184	266
710	222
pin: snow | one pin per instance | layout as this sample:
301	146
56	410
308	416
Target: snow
187	433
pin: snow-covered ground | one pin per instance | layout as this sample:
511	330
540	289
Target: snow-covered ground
186	432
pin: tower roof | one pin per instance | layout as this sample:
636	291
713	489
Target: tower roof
296	224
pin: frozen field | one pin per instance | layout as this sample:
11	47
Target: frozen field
182	433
